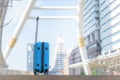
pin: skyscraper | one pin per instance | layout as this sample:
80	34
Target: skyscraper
30	50
110	25
60	55
91	28
102	35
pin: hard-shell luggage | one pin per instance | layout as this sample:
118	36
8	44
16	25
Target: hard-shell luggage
41	57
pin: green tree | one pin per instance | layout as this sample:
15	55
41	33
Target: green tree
94	72
82	73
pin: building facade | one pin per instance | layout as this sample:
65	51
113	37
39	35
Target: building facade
30	49
91	28
74	58
76	66
60	52
102	35
110	25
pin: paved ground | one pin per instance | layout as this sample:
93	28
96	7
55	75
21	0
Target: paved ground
59	77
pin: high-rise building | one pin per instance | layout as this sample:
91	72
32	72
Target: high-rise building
110	32
102	35
110	25
58	68
30	49
91	28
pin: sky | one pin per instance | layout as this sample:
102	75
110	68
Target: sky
49	30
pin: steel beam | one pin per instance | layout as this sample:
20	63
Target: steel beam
55	17
83	51
55	8
19	28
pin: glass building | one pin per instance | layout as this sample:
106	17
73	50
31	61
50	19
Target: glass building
73	59
110	25
102	35
58	68
30	49
91	28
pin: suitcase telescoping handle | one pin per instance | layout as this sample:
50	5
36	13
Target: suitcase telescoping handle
36	32
36	35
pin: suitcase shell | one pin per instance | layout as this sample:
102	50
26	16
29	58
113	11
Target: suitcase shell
41	57
38	57
46	57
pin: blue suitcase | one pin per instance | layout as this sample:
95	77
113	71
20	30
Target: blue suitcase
38	57
41	57
46	57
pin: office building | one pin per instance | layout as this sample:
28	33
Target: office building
75	65
30	49
91	28
75	58
110	25
102	35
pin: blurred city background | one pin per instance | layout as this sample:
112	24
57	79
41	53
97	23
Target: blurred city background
58	25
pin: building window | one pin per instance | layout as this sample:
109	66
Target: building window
94	45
